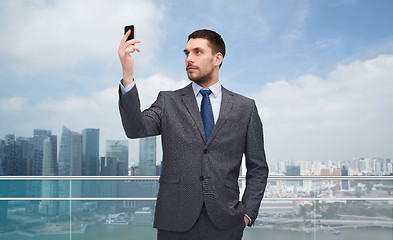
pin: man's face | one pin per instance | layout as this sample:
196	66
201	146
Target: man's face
200	60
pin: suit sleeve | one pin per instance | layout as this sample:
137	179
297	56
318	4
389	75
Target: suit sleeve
138	124
257	168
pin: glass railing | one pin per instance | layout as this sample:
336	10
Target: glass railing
302	207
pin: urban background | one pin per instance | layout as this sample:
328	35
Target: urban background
319	71
284	208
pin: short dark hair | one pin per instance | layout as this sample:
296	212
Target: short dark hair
216	42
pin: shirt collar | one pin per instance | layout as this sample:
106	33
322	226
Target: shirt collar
215	88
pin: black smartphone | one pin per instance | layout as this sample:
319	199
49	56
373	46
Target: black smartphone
132	35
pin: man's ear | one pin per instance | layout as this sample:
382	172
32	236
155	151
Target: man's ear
218	59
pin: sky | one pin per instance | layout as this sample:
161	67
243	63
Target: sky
319	71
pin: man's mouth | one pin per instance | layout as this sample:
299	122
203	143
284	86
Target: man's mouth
191	68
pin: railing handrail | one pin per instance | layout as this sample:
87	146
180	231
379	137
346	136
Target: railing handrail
157	177
336	199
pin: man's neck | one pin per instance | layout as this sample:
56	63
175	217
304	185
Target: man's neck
213	80
208	84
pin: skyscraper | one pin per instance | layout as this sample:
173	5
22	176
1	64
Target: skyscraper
344	183
118	149
3	204
49	163
27	155
108	188
147	156
70	154
117	161
15	156
9	139
292	170
109	166
90	160
70	164
90	152
39	136
50	188
11	159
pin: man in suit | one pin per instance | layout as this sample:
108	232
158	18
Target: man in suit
205	131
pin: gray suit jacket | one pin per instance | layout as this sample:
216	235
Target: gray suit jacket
195	170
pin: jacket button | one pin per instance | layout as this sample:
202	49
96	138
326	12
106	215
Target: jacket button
205	151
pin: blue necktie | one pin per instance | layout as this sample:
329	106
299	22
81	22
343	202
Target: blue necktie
207	112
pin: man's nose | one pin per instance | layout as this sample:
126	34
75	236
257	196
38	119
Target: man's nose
189	59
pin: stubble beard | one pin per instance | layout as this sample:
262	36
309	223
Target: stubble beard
202	80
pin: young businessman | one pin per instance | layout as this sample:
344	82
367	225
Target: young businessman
205	131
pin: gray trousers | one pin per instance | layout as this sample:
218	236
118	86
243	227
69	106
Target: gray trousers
203	229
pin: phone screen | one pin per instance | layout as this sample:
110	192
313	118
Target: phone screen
130	27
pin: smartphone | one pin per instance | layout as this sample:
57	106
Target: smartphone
132	35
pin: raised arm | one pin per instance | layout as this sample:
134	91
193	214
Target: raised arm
125	51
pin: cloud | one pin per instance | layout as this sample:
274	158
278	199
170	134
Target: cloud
294	21
346	114
13	105
42	37
149	87
343	115
322	44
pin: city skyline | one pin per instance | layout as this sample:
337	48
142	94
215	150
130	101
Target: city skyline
135	146
319	71
285	207
60	158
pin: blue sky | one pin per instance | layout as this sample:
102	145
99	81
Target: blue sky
320	71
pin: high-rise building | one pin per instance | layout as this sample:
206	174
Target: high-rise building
108	188
27	155
50	188
11	159
118	149
13	162
15	156
365	165
292	170
3	184
70	164
3	204
109	166
2	145
49	163
344	183
9	139
70	153
117	162
90	152
147	156
39	136
316	167
90	160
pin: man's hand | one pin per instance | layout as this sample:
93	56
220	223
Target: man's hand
246	221
126	58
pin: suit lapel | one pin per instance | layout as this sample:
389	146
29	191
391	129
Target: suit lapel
225	109
192	107
189	100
